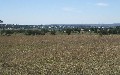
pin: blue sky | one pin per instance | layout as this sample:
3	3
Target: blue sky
59	11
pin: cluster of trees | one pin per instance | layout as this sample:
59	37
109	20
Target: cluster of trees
68	31
101	31
71	30
27	32
106	31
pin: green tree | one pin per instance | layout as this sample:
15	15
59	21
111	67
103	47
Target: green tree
68	31
1	21
53	32
28	32
43	31
8	32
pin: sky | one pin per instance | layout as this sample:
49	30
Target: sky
60	11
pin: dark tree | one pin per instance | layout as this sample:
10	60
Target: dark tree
43	31
1	21
53	32
77	29
8	32
68	31
28	32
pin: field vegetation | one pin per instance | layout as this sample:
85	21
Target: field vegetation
60	55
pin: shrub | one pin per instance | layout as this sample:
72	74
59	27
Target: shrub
68	31
53	32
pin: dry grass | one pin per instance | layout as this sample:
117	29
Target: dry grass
60	55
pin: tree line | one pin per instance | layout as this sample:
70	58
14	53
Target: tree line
68	31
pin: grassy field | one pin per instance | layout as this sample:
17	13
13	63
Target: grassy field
60	55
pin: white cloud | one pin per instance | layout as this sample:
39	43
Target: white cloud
102	4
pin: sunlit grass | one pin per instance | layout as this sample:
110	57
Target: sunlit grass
60	55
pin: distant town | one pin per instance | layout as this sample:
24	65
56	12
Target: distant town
56	26
102	29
